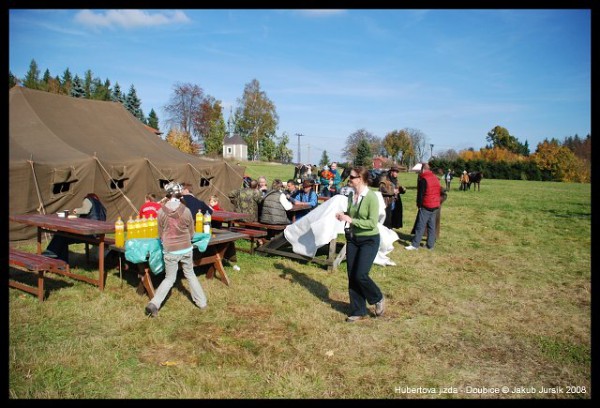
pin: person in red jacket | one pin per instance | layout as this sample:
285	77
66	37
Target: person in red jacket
150	207
428	203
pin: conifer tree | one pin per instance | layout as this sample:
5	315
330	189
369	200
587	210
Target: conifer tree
87	84
32	78
12	80
67	80
77	90
133	104
117	95
324	159
153	120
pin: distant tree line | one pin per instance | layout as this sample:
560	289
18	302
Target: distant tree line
88	87
197	126
568	161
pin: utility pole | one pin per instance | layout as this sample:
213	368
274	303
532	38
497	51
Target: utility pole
431	145
308	159
299	134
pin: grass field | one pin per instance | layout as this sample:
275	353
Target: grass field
500	309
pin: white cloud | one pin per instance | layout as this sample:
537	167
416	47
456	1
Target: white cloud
320	12
129	18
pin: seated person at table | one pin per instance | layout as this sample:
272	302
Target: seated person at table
275	206
213	202
192	202
150	207
292	190
246	200
262	185
176	229
326	182
91	208
307	195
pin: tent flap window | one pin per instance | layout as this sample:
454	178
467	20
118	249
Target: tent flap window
62	180
205	181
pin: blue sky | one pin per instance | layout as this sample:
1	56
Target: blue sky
452	74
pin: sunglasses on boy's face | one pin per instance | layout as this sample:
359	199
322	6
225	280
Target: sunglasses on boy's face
353	177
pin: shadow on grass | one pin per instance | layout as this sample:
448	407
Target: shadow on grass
31	279
315	287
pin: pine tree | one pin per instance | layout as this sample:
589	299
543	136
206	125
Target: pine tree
12	80
153	120
87	84
363	153
67	80
324	159
45	79
32	78
117	95
107	90
133	103
77	90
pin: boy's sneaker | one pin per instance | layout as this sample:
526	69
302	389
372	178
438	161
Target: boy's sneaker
380	307
352	319
151	310
410	248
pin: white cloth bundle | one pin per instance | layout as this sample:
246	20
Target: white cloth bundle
319	227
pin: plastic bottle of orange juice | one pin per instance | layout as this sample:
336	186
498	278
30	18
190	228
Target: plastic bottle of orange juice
119	232
130	228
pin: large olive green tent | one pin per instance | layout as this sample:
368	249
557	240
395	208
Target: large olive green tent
61	148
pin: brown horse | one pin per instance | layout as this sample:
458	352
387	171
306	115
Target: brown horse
475	178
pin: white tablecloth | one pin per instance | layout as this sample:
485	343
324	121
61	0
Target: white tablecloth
319	227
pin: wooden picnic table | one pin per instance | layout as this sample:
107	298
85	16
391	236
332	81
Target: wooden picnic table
298	206
228	216
221	244
82	229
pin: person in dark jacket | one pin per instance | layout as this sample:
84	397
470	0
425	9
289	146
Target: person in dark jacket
391	190
428	203
91	208
192	202
275	206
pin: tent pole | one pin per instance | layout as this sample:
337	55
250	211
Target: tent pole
120	191
211	184
37	190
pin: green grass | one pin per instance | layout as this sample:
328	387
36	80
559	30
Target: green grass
503	300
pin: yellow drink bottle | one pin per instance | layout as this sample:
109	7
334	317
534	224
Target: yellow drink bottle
144	227
199	221
152	227
130	233
119	232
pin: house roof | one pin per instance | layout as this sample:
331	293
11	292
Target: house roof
234	140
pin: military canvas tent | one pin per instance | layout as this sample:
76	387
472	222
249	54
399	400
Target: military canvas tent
61	148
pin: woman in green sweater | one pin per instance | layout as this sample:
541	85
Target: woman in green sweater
362	236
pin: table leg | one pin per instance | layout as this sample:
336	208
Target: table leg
101	263
216	263
39	240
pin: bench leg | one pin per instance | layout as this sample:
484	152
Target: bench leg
41	286
146	281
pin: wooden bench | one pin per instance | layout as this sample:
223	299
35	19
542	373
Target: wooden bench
107	244
271	229
253	235
35	263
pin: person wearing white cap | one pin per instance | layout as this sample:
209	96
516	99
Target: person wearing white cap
176	229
